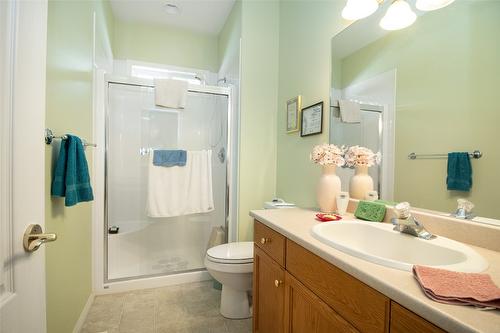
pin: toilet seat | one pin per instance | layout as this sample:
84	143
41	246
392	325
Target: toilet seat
231	253
228	268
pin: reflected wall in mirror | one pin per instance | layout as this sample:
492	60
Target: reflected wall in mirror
430	88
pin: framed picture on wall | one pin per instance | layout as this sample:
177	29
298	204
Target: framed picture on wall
293	114
312	120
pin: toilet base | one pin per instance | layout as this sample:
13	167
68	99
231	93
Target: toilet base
234	303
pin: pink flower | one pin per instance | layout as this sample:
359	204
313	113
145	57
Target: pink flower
357	155
328	154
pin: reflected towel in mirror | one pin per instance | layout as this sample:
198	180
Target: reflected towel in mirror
459	172
350	112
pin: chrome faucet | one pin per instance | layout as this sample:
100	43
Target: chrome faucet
405	223
464	210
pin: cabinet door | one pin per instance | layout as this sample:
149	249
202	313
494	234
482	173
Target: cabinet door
307	313
268	294
405	321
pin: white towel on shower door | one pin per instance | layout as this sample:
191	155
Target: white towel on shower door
171	93
181	190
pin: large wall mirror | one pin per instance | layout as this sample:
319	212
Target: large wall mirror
429	89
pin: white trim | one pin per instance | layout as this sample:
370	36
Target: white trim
203	74
235	196
154	282
26	309
83	315
148	82
100	97
7	60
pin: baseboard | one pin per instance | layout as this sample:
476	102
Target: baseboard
83	315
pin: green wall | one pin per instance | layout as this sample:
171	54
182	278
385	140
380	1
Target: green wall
259	93
228	41
69	109
447	86
165	45
306	29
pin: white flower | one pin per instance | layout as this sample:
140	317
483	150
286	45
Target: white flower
328	154
357	155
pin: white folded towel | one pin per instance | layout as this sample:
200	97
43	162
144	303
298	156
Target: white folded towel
181	190
350	112
171	93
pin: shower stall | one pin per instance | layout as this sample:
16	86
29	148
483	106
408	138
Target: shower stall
152	247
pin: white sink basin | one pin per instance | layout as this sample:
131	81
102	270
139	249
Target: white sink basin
378	243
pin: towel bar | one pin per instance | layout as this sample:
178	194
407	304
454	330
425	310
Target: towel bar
476	154
49	137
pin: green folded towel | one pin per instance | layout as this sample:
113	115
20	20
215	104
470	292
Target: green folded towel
370	211
71	175
459	172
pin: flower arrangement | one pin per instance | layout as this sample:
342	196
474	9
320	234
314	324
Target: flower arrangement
328	154
356	155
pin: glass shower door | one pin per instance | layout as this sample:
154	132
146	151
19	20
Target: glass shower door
146	246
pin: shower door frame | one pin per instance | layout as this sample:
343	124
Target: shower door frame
100	266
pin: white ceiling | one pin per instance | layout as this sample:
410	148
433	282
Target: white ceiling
203	16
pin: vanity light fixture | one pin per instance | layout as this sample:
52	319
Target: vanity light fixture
358	9
172	9
399	15
428	5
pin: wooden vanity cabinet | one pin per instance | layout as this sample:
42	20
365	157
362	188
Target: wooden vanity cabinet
296	291
405	321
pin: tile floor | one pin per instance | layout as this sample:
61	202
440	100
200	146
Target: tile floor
188	308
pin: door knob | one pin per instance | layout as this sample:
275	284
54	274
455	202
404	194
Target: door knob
33	238
278	283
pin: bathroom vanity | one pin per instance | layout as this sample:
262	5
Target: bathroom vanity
303	285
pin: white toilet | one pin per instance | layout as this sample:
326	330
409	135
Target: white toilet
232	265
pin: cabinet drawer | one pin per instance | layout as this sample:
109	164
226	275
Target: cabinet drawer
405	321
270	242
362	306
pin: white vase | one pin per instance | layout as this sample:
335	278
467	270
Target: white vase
361	183
328	189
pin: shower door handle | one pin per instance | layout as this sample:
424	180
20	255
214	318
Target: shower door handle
222	155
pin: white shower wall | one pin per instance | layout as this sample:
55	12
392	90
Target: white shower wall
151	246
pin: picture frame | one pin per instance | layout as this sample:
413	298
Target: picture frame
293	107
312	120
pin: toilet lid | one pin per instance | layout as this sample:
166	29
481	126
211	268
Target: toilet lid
232	253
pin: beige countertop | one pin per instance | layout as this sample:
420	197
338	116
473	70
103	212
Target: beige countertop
296	224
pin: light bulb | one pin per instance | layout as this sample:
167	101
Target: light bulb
428	5
358	9
398	16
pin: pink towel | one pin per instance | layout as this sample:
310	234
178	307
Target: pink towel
458	288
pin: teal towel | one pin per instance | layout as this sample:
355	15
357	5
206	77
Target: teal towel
459	172
71	175
169	158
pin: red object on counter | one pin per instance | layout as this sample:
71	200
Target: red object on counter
328	217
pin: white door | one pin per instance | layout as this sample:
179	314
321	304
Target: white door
23	29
